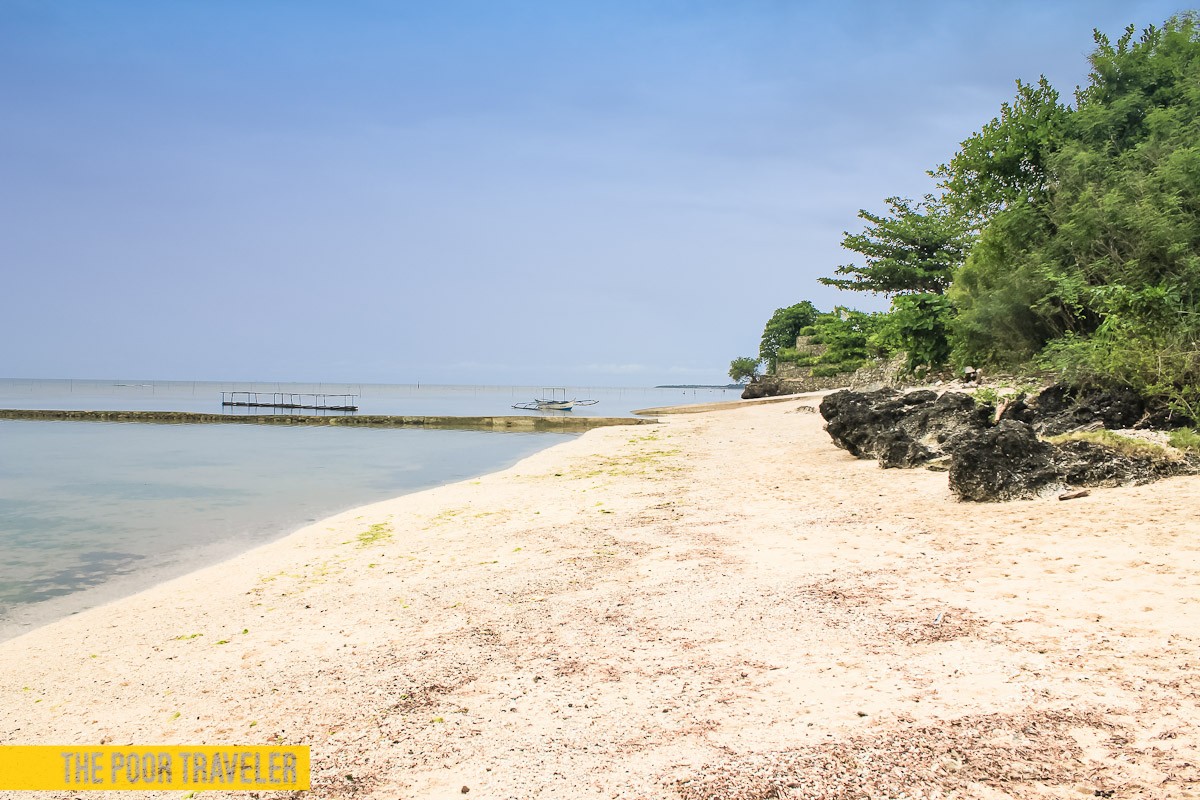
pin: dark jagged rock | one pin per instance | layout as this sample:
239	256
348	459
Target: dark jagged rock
1053	401
1161	418
1082	463
1017	409
855	419
1059	409
1009	462
919	396
1006	462
900	430
896	448
761	386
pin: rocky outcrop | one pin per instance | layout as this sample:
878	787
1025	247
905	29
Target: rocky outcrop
1005	462
1004	459
791	379
1082	463
1060	409
901	430
762	386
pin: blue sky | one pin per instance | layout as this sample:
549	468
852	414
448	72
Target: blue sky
585	193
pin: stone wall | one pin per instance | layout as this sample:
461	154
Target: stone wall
792	379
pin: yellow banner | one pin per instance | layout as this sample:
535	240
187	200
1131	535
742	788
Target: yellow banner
146	768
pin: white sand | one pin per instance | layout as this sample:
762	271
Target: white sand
725	605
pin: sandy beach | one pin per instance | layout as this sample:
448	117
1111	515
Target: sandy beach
724	605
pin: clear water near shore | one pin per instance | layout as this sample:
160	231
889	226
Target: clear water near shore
94	511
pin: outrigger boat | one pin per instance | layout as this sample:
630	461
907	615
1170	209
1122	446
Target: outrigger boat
553	399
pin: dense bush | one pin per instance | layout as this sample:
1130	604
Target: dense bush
846	342
1065	237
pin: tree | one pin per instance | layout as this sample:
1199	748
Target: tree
782	329
911	255
1096	264
1007	160
919	326
744	368
913	250
1003	295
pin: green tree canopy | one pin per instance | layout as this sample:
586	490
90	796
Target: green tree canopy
782	329
846	336
744	368
912	250
1099	268
1007	160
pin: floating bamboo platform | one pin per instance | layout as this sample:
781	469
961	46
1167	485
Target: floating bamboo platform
563	424
290	401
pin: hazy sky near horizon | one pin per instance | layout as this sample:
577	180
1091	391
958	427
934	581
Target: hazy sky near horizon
585	193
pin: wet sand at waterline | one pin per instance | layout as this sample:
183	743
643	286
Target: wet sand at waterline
724	605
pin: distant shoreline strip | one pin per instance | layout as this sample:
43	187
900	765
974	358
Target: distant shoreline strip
501	423
729	405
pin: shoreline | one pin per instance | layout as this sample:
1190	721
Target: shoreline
445	422
186	543
727	405
711	606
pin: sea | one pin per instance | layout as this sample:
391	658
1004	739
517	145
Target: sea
94	511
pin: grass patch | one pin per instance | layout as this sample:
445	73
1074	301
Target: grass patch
1125	445
276	576
986	396
995	395
647	464
378	533
444	517
313	574
1185	439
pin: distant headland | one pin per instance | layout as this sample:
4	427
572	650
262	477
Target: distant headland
702	386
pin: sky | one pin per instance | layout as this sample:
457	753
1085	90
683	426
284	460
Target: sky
587	193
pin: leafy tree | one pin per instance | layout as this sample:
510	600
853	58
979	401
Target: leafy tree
912	255
918	325
913	250
1004	296
1007	160
1099	268
782	329
744	368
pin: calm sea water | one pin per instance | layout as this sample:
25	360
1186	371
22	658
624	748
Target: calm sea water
94	511
205	396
